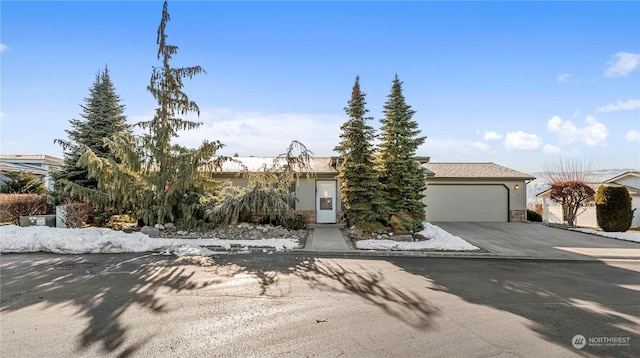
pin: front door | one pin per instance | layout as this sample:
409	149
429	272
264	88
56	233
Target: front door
326	201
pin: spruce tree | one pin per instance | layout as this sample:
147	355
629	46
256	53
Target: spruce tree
103	117
398	169
360	188
156	180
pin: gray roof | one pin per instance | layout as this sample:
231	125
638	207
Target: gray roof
474	170
31	159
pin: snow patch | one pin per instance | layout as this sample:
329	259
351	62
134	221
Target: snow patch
626	236
102	240
439	239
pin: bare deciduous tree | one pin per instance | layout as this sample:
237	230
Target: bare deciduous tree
569	180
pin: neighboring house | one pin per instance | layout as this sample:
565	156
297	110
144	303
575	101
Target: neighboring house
475	192
39	165
553	212
455	191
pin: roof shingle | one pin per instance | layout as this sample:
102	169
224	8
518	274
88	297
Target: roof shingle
474	170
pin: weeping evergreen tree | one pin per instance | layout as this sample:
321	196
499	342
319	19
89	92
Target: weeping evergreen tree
399	171
151	177
103	118
360	189
268	194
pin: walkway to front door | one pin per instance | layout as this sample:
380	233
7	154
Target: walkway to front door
327	238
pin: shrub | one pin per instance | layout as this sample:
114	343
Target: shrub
403	222
13	206
76	214
296	222
613	208
533	216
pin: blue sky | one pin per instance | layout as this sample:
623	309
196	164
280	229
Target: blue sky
516	83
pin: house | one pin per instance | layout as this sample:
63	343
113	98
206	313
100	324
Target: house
553	211
318	198
455	191
475	192
39	165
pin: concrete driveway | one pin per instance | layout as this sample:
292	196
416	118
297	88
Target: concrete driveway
534	240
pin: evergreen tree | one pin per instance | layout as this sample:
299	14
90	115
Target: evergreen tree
21	182
103	117
151	177
399	171
360	188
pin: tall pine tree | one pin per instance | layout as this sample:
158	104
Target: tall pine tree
153	178
103	117
360	189
398	169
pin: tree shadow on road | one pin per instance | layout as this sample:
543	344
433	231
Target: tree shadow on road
562	299
100	291
329	275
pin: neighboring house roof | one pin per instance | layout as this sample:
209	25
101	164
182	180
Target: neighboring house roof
594	186
547	192
318	164
615	179
473	171
31	159
37	164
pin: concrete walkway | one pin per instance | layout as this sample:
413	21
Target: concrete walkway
327	239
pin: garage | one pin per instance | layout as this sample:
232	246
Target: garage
489	202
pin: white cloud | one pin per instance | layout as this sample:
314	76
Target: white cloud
3	47
264	134
566	130
455	150
593	133
621	106
622	64
522	141
632	136
563	77
550	149
491	135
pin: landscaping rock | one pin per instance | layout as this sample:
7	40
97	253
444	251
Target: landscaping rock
169	226
150	231
159	226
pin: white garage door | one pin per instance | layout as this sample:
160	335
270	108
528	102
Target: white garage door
467	203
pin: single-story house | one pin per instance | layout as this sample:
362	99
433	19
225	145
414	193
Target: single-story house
40	165
455	191
554	213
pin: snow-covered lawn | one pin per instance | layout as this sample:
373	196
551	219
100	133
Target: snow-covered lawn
102	240
627	236
439	239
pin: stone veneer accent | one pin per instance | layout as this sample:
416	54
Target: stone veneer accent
517	215
311	216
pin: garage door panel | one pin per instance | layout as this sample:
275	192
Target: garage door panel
467	203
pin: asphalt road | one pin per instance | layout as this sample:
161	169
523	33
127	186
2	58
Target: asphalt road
287	305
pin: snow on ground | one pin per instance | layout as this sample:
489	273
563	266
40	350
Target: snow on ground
627	236
102	240
439	239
